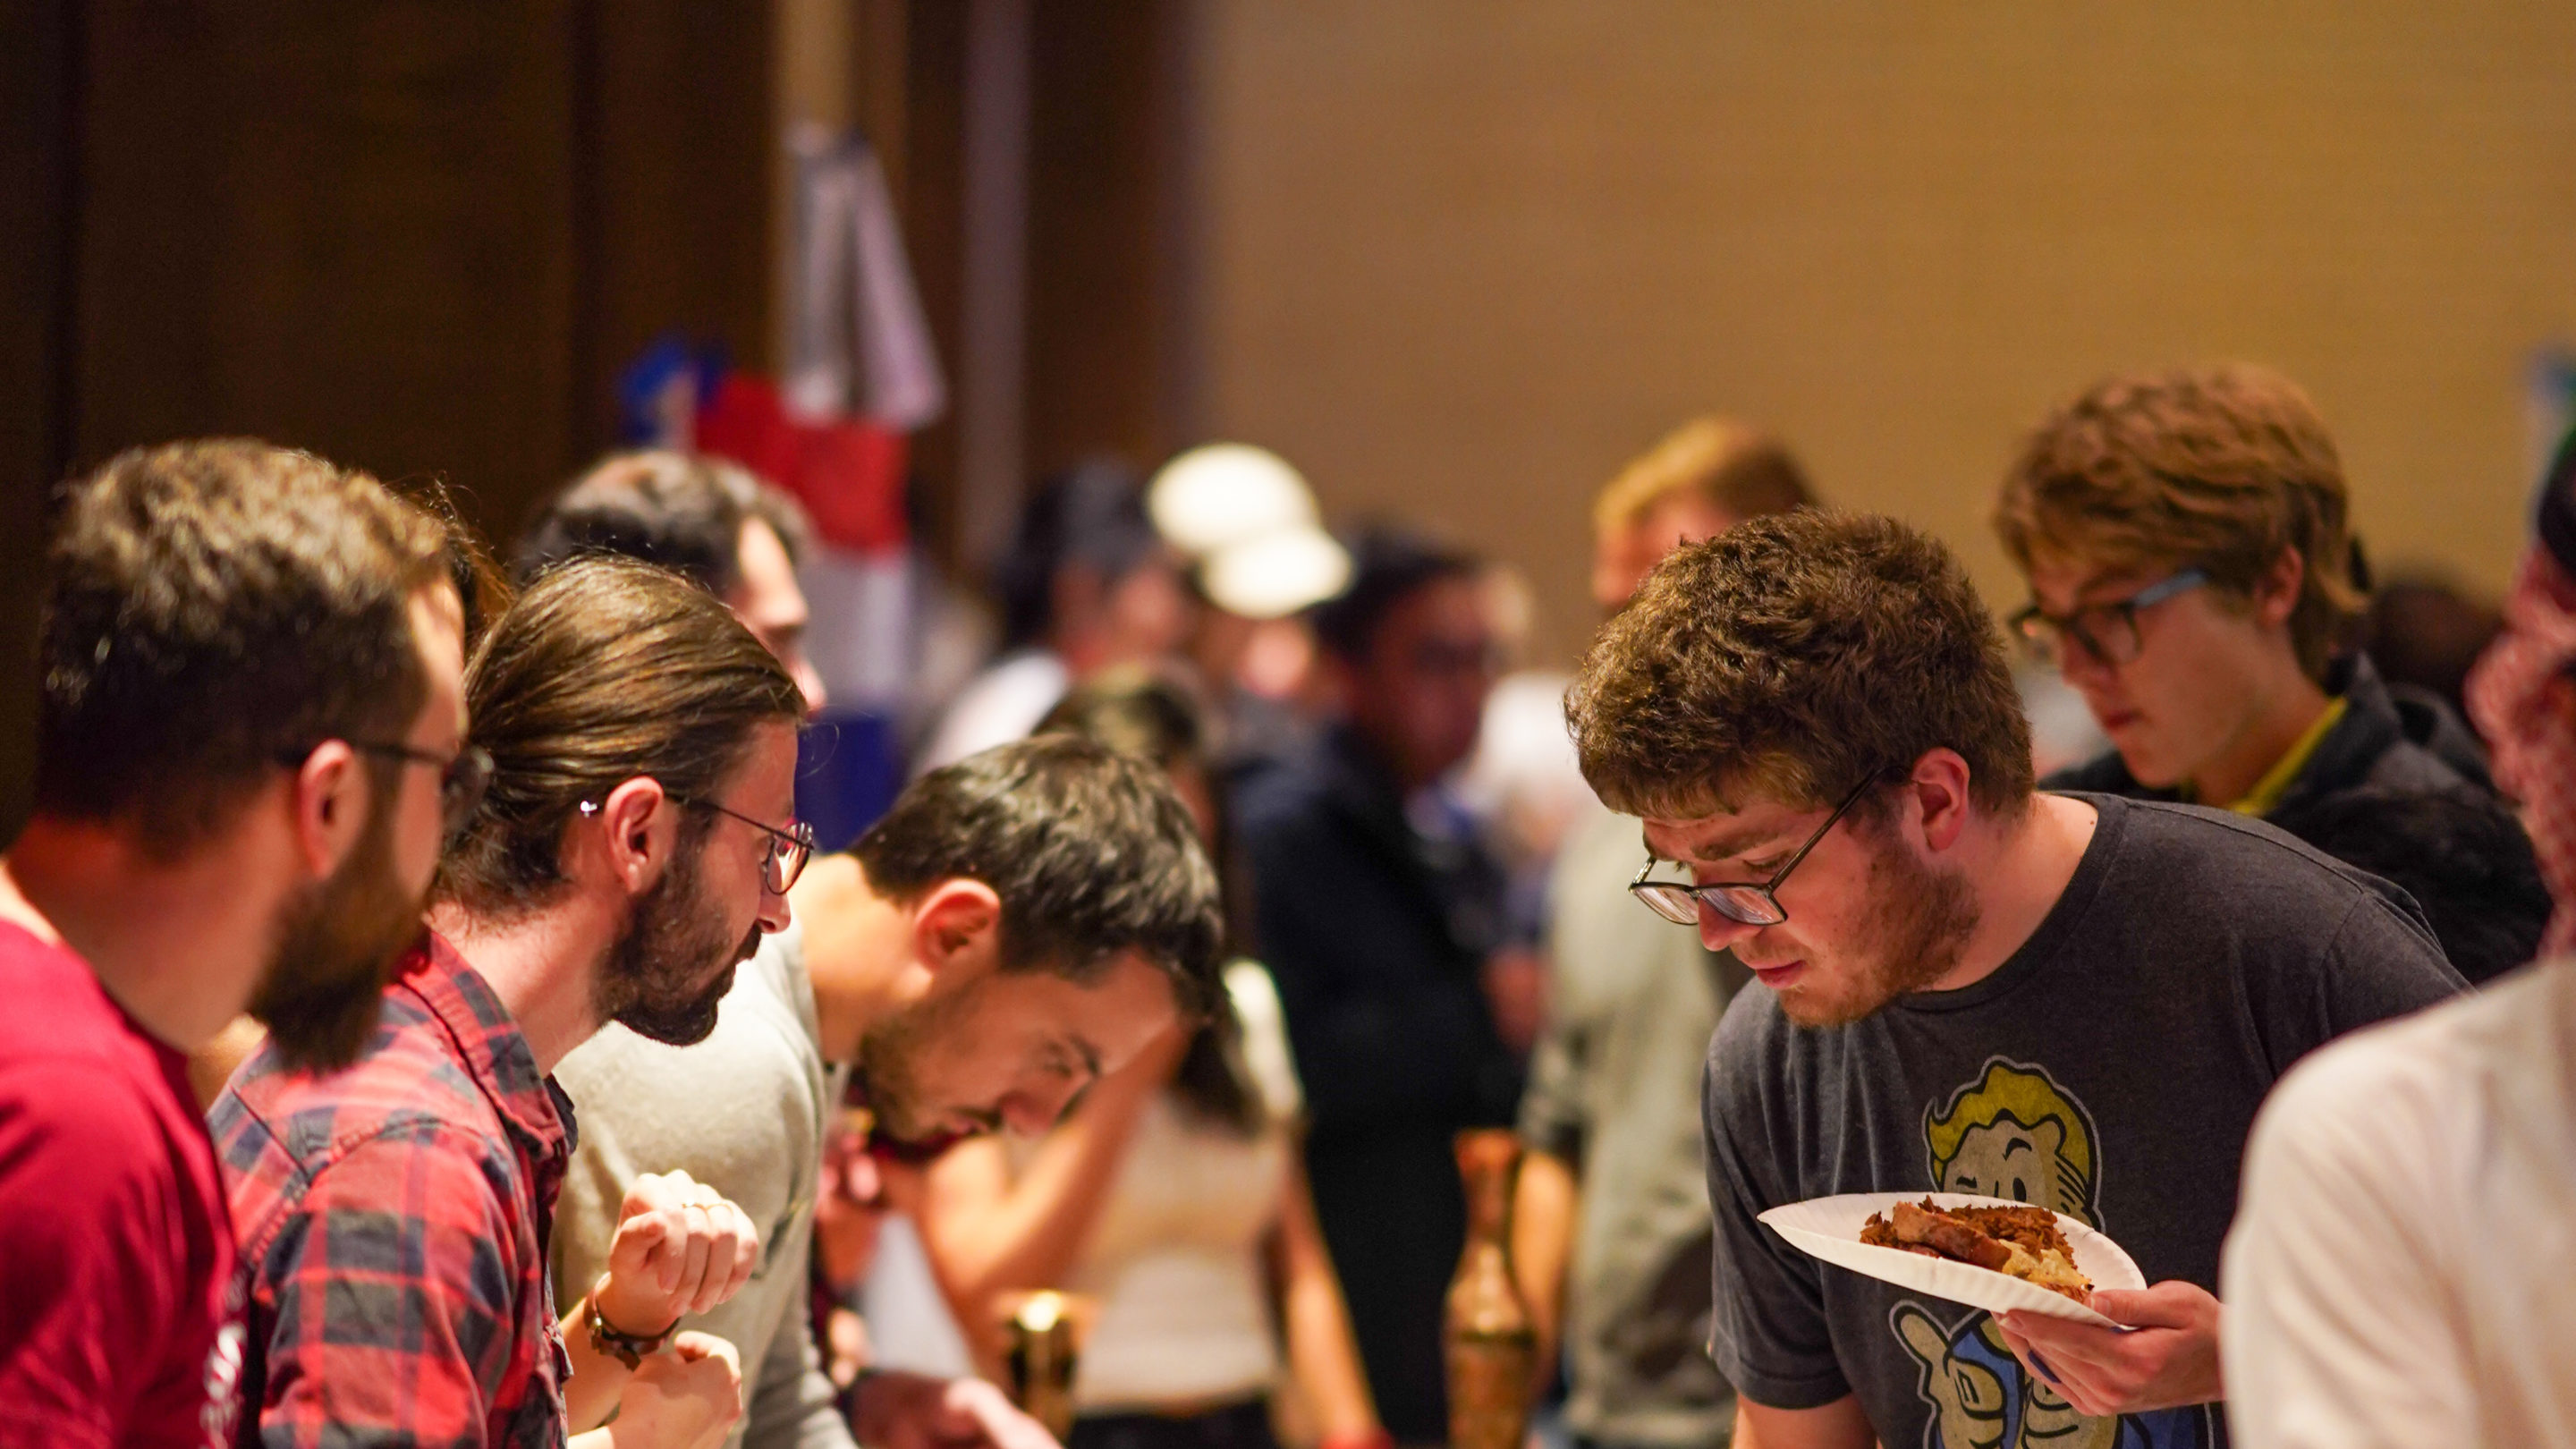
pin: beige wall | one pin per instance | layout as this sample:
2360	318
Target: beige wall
1463	257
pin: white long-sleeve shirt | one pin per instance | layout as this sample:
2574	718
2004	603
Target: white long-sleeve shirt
2402	1270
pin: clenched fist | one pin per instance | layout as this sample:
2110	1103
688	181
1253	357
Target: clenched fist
680	1249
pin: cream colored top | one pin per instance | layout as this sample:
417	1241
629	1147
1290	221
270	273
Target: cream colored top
2400	1268
1175	1258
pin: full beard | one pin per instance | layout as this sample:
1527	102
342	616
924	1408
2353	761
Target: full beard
339	942
651	982
1918	923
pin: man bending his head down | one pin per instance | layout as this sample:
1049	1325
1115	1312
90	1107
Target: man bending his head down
2074	1001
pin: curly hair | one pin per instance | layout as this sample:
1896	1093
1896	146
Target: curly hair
2220	468
1792	657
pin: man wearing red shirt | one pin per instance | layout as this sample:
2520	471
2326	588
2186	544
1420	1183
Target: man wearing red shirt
637	838
245	654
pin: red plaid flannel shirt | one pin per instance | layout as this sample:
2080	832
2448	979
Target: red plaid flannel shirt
393	1221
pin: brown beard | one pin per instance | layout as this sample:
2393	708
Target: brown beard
1918	923
889	1071
339	942
649	983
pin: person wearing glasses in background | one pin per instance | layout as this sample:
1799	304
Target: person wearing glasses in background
630	849
2076	1001
2185	539
244	652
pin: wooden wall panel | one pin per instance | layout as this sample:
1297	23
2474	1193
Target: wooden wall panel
931	197
417	236
675	176
38	76
345	227
1101	158
1464	257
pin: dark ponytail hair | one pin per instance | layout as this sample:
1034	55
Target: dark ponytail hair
603	669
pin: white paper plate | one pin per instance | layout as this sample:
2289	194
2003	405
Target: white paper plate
1829	1228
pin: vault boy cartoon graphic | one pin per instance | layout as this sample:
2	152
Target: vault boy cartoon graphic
2015	1133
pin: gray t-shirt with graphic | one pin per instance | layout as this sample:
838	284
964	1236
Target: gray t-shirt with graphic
2109	1070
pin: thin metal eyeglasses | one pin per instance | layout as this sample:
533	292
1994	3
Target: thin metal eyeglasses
782	857
462	777
2107	632
1744	903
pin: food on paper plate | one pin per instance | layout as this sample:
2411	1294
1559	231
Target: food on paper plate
2021	1242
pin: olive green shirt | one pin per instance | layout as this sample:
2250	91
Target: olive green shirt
1614	1092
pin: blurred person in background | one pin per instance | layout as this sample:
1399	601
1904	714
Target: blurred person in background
1086	583
2397	1271
1521	787
1259	559
626	855
1610	1220
2424	631
249	736
2184	536
1380	923
711	521
1173	1194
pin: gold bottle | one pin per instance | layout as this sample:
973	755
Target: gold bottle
1491	1344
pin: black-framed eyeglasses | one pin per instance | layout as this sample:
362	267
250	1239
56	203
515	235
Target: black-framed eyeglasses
1741	902
2108	632
782	857
462	777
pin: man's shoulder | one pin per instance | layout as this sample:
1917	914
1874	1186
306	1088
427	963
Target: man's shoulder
433	1161
58	1010
758	1052
2165	845
409	1084
2207	886
79	1131
2401	1087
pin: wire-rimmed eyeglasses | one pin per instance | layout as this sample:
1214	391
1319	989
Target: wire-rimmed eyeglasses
783	855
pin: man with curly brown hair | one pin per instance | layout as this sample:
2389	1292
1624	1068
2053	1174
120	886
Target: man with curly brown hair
2075	1001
